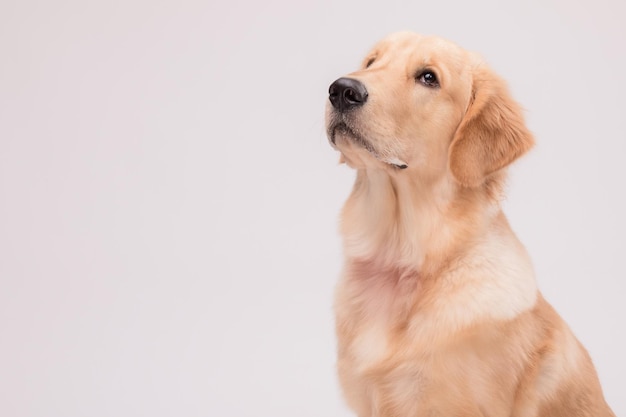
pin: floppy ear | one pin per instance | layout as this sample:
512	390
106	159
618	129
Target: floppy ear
492	133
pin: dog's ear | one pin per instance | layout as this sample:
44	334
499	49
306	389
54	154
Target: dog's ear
491	135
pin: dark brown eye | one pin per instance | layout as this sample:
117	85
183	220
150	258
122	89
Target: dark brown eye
429	79
370	62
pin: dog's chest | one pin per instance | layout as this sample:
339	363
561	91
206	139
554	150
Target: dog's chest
371	344
372	308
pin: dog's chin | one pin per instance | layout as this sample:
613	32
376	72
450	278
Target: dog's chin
345	139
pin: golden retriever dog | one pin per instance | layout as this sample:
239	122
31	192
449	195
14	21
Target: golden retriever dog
437	311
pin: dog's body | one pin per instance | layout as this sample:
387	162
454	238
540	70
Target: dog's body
438	312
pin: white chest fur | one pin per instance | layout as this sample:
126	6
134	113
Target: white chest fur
372	305
381	310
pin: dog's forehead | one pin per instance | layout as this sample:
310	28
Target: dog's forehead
408	46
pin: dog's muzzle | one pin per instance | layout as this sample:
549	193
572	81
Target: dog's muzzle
347	94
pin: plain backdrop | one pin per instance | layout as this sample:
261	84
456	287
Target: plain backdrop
169	202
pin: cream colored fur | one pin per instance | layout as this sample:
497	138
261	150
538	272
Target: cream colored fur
437	310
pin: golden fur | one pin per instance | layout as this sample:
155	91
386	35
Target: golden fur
437	310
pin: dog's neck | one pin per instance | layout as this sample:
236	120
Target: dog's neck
397	220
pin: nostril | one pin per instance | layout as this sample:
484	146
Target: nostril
350	96
332	90
355	96
333	96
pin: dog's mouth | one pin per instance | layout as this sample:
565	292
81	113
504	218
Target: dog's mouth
343	129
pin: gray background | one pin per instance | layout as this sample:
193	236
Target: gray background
169	203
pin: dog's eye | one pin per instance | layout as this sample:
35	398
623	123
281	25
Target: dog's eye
429	79
370	62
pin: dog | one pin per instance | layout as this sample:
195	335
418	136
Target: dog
437	310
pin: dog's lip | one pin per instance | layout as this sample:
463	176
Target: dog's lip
342	127
364	143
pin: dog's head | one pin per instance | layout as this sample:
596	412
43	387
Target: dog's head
424	105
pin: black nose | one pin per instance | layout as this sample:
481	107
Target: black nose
347	93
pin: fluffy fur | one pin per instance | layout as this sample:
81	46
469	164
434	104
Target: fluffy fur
437	310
